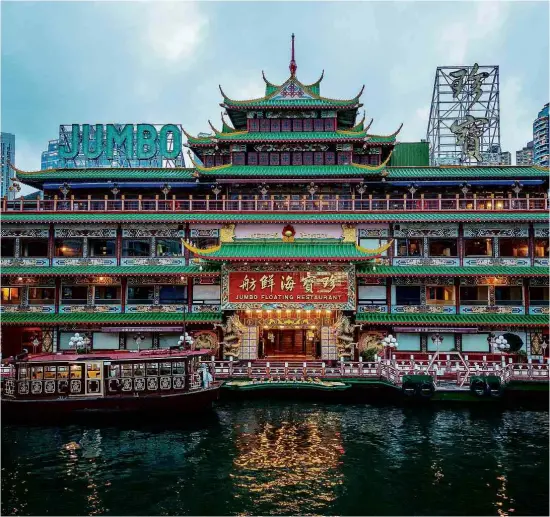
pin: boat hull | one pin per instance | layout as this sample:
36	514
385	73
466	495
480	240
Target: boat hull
176	404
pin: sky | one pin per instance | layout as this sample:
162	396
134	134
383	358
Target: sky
161	62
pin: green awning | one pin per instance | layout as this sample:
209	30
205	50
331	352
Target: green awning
207	269
267	217
468	320
392	271
135	318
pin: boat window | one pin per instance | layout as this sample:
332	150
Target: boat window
139	370
114	370
62	372
50	372
76	371
126	370
23	373
152	368
37	372
178	368
165	368
94	370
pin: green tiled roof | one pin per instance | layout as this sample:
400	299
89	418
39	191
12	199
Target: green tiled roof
325	249
245	136
291	171
451	271
498	172
260	217
294	103
139	174
410	154
207	269
470	320
25	318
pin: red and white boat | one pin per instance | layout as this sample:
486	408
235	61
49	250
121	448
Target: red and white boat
146	381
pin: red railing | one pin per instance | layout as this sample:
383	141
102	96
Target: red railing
456	371
278	204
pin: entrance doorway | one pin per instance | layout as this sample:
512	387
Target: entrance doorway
289	343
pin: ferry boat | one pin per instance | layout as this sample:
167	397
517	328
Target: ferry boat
145	381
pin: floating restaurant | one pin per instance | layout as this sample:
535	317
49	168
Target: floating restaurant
299	234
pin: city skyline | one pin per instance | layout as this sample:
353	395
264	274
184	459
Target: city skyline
170	57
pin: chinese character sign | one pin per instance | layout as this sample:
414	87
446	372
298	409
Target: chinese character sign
289	287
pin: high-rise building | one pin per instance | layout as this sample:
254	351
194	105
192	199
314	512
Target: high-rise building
7	143
541	137
50	156
506	158
525	156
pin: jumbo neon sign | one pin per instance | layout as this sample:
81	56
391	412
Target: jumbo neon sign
138	142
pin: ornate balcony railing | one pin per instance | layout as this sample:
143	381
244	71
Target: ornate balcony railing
279	204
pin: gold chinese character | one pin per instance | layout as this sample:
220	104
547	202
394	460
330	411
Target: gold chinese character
249	284
267	282
288	283
329	282
308	282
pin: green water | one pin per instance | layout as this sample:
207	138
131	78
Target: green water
275	458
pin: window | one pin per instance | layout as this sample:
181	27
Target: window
308	124
409	247
443	248
254	125
285	158
474	295
169	248
372	295
330	158
152	369
407	295
539	295
296	158
69	248
329	124
106	294
275	125
102	247
170	294
205	242
508	295
274	158
141	294
265	125
238	159
252	158
297	125
10	295
319	124
264	158
344	158
34	247
8	247
478	247
41	295
513	248
136	247
541	248
286	125
74	294
440	295
206	294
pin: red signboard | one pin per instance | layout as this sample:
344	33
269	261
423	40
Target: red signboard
319	287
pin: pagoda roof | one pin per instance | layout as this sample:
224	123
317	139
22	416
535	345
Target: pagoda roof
107	173
270	217
301	250
471	172
97	318
298	136
291	171
452	271
449	320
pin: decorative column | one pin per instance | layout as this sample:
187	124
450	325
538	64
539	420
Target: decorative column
55	340
424	343
122	340
123	293
51	244
57	294
153	250
85	247
187	237
156	340
17	250
190	281
388	293
492	295
118	245
423	297
460	244
458	342
457	294
425	247
90	295
531	244
156	294
526	295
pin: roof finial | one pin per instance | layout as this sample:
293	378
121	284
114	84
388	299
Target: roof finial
292	65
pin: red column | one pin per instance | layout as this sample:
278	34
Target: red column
457	294
123	287
51	244
526	296
118	245
57	294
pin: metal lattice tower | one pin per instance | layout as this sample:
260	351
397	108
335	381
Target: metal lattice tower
464	125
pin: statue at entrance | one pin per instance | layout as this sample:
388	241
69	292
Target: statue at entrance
232	332
344	336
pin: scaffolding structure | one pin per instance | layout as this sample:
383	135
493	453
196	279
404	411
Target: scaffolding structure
464	124
122	157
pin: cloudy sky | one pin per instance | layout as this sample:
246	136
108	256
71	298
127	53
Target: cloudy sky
161	62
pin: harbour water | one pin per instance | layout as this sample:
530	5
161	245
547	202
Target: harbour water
281	458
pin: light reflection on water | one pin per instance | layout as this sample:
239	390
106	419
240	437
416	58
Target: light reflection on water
279	459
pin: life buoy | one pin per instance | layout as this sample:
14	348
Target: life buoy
479	388
409	388
425	390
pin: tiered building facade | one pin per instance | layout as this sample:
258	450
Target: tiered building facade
299	232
